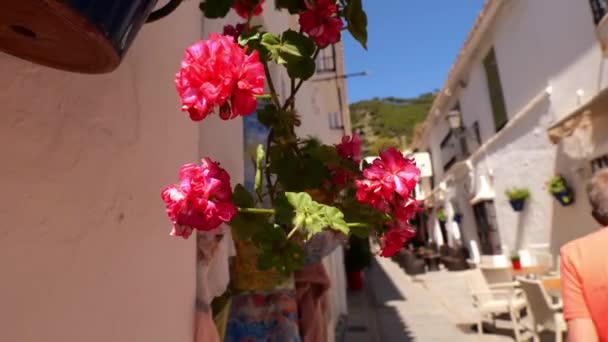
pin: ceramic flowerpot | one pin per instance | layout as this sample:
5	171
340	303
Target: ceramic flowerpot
518	204
355	280
88	36
458	218
565	197
516	264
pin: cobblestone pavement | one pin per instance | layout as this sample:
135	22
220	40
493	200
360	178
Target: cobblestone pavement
433	307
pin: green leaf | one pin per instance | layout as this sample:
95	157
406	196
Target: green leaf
242	198
335	219
303	68
356	20
267	115
249	37
214	9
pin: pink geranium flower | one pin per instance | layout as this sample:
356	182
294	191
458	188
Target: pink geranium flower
350	148
391	173
217	73
321	23
201	200
244	8
395	238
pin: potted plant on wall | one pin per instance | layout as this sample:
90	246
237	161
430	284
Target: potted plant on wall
441	216
558	187
515	261
458	217
357	257
517	197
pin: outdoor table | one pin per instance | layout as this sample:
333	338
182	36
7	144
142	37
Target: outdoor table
553	286
530	270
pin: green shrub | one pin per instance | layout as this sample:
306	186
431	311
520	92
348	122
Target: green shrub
517	193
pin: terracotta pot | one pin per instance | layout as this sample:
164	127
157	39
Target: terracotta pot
88	36
355	280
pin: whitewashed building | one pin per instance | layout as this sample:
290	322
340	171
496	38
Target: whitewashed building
529	89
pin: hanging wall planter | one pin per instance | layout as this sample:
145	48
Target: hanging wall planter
441	216
87	36
458	218
517	198
558	187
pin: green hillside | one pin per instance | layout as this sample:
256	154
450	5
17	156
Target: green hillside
389	121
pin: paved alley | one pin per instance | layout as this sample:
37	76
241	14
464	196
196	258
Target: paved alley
432	307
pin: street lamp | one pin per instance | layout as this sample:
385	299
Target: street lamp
454	120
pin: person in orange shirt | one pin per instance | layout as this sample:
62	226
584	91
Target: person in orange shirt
584	272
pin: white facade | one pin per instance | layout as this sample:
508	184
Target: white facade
550	63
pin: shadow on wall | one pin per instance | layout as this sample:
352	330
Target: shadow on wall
574	221
522	218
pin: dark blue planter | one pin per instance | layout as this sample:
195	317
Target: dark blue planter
565	197
88	36
458	218
518	204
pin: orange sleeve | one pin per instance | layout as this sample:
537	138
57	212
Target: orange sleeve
572	287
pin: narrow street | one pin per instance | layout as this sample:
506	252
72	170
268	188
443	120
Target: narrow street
434	307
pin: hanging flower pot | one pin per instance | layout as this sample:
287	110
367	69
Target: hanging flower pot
558	187
458	218
517	198
516	263
88	36
441	216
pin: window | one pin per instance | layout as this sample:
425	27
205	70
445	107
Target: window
326	60
487	229
497	100
599	9
335	121
477	132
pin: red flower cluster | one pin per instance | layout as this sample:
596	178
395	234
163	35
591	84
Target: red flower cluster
234	31
321	23
349	149
218	72
387	186
201	200
244	8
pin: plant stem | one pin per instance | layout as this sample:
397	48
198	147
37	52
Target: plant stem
291	100
358	225
261	211
266	163
273	91
293	231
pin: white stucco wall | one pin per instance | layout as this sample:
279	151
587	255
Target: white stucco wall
534	49
84	246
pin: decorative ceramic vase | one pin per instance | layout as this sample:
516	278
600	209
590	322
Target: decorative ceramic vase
518	204
88	36
565	197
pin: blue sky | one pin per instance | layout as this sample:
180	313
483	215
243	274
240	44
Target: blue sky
411	46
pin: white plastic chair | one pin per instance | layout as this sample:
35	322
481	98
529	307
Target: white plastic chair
498	275
545	315
500	298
